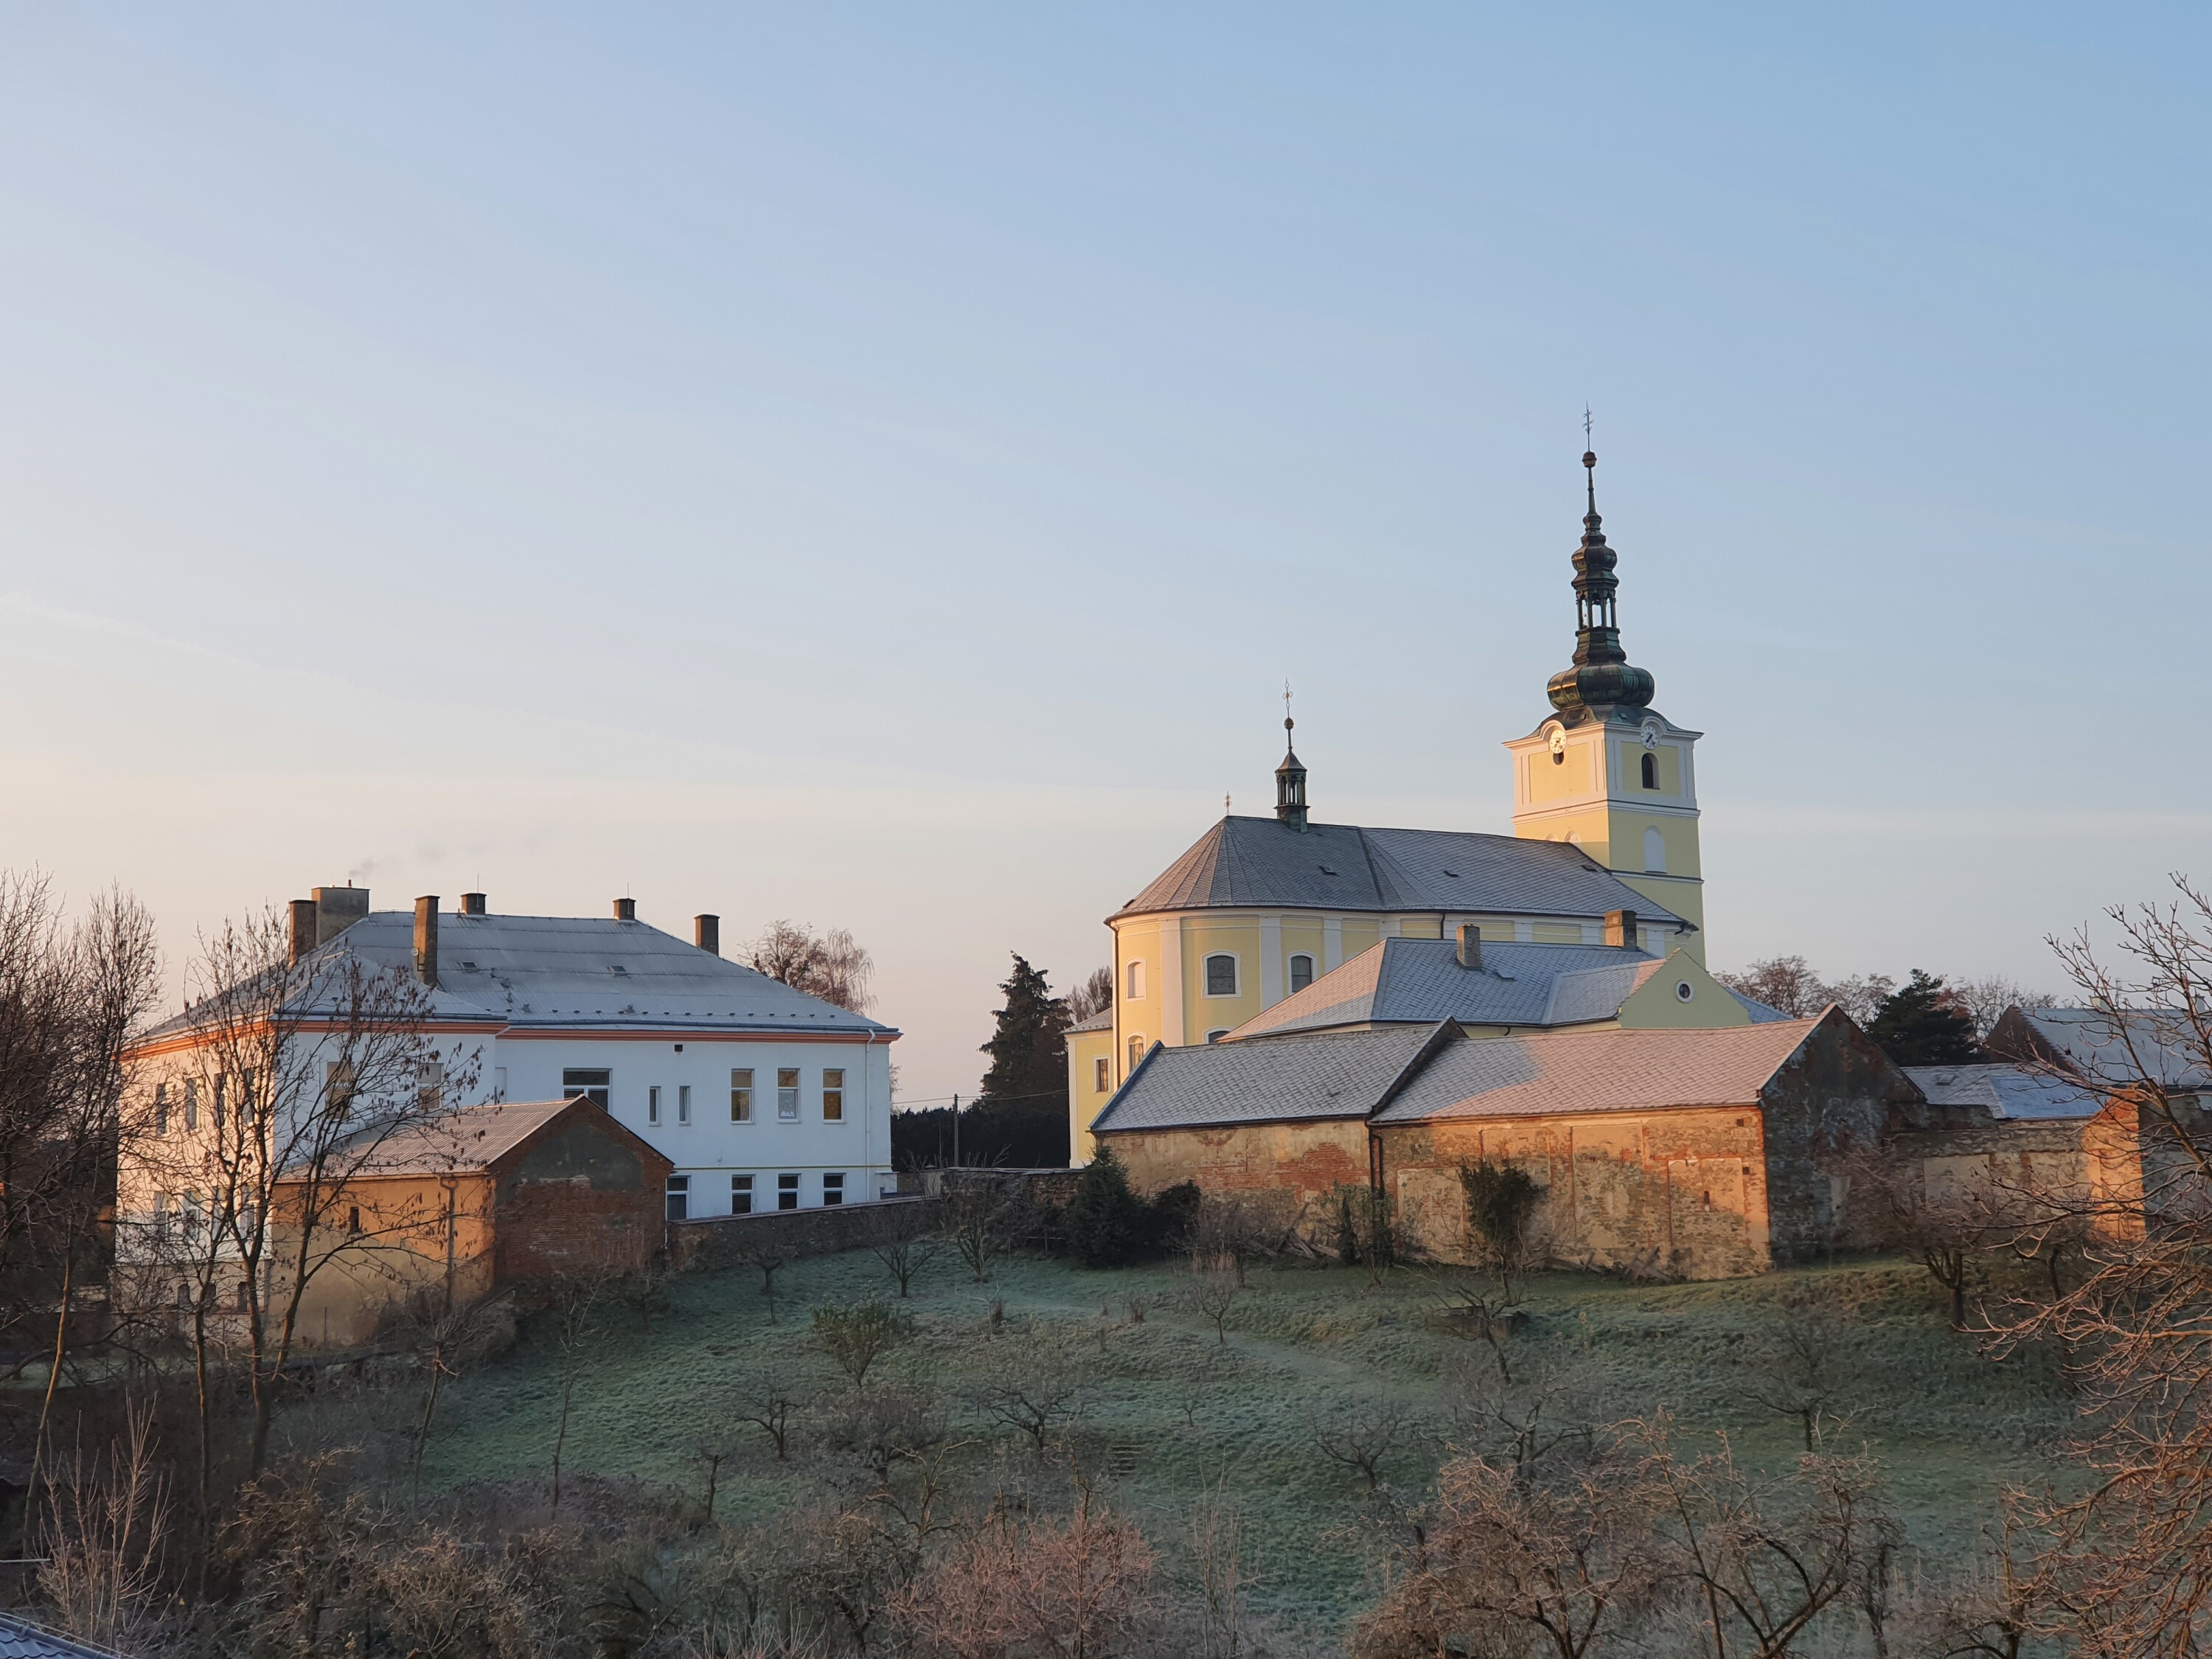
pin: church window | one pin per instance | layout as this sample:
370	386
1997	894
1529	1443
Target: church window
1136	981
1216	1036
1655	851
1301	973
1101	1076
1136	1051
1221	975
1682	991
1559	757
1650	771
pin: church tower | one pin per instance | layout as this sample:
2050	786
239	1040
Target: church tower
1606	770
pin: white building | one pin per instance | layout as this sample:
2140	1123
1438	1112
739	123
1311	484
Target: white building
763	1097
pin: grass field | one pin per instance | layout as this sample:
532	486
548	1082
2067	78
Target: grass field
1176	1412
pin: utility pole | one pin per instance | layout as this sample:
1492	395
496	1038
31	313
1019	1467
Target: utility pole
956	1131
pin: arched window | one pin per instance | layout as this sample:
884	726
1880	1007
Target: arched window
1136	981
1655	851
1221	975
1216	1036
1651	771
1301	973
1136	1051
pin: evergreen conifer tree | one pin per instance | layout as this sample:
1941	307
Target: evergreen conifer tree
1923	1023
1028	1049
1105	1219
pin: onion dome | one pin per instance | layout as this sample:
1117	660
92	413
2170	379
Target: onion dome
1602	677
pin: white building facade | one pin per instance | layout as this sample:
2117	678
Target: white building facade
762	1097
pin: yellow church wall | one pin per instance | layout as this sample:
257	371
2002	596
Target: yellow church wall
1355	937
1205	935
1687	899
1558	932
1420	927
1086	1099
1563	779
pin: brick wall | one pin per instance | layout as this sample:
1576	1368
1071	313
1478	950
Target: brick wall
715	1241
578	1198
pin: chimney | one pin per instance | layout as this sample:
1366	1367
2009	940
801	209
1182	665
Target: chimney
303	928
707	933
425	938
337	909
472	905
1470	945
1620	927
625	910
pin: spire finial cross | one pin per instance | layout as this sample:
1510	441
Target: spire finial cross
1286	705
1586	426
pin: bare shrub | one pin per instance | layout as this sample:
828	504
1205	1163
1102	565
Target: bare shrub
884	1426
981	1221
1551	1410
106	1525
1014	1585
574	1322
1214	1531
1502	1200
1242	1227
855	1337
767	1402
1505	1563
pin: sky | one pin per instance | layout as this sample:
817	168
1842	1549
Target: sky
878	466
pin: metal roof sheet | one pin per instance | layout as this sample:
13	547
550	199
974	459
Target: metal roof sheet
2159	1044
470	1139
1340	1074
577	971
1334	867
2006	1091
1420	981
20	1639
1551	1072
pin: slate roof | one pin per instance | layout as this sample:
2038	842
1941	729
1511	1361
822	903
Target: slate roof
577	971
1419	980
1597	1070
472	1138
1338	866
2092	1042
21	1639
1101	1021
1343	1074
2005	1092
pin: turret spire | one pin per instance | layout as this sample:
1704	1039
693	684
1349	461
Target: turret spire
1602	676
1290	782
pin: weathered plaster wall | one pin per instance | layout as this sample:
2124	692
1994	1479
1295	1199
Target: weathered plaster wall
576	1199
1309	1159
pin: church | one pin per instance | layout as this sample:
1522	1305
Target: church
1603	854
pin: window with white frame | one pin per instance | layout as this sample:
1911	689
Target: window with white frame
1136	1051
679	1198
1301	973
682	1102
833	1186
1221	974
786	1095
653	1104
191	1103
786	1192
741	1094
1136	981
160	1109
1102	1074
833	1094
595	1084
741	1195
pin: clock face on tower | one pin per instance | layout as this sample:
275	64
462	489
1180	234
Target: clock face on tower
1558	741
1650	736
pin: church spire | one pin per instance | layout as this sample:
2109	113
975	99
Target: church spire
1291	784
1602	677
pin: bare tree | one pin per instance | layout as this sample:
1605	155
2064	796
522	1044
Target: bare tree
831	966
444	1334
295	1078
767	1402
1362	1434
855	1337
107	1522
1214	1532
1094	995
1034	1383
1213	1287
1787	984
979	1218
909	1244
574	1323
1554	1411
1986	998
769	1257
1799	1374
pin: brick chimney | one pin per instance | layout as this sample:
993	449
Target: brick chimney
1470	945
472	905
303	928
625	910
337	909
425	938
1620	927
707	933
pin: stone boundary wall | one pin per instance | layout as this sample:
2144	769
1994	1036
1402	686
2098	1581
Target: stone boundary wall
715	1241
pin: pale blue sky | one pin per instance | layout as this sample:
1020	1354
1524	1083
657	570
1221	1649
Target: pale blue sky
877	466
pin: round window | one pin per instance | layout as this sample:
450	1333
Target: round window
1682	991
